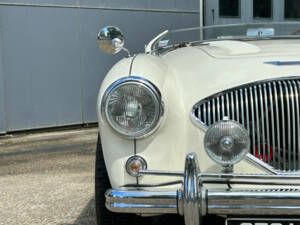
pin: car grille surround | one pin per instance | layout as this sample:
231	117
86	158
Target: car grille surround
269	110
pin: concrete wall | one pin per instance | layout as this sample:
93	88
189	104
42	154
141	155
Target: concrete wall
50	66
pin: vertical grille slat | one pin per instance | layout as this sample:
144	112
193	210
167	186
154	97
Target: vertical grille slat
263	146
293	123
267	143
228	106
247	110
277	150
204	113
232	106
256	104
253	121
270	111
208	112
218	109
223	106
237	106
214	110
287	96
298	122
283	126
272	121
242	108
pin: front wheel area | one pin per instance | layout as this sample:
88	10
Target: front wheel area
105	217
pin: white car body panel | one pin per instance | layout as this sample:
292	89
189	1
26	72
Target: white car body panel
185	76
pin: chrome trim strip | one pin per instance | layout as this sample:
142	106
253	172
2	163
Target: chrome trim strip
161	173
225	176
298	120
204	113
255	161
253	203
283	126
293	144
140	201
199	112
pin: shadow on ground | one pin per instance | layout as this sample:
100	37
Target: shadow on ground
87	216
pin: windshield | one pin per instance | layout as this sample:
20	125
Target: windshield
177	38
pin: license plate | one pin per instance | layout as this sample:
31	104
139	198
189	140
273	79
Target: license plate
261	221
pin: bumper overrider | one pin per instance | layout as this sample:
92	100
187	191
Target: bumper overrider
194	201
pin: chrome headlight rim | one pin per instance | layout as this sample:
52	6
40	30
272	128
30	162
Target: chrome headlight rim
146	84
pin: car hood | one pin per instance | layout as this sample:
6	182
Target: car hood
203	70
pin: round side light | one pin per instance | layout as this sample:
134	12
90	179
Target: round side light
134	164
227	142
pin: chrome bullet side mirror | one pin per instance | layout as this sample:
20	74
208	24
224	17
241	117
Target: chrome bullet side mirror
111	40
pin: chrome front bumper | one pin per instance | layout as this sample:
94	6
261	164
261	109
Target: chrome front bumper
193	201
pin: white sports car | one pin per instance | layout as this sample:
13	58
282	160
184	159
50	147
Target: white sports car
205	124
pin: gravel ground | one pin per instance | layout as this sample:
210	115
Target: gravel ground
48	178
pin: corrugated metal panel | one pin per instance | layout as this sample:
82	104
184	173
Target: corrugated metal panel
173	5
41	66
95	63
52	66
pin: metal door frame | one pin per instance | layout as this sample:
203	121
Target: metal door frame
246	13
211	13
277	12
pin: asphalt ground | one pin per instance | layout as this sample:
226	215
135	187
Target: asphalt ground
48	178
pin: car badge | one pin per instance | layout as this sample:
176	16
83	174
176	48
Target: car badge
284	63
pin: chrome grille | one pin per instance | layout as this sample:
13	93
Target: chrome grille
269	110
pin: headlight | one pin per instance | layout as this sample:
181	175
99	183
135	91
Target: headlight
132	106
227	142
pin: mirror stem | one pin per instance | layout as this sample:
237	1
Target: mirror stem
126	50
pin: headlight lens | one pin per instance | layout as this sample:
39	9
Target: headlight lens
132	106
227	142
